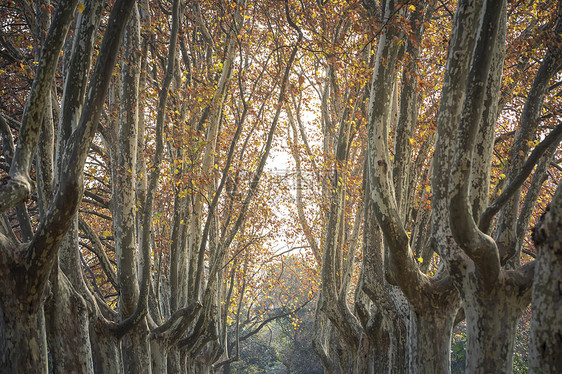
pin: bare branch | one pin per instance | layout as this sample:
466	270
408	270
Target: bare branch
554	137
98	250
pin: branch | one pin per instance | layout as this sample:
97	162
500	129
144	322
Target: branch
7	140
8	150
465	30
402	268
18	187
300	206
98	250
174	328
273	318
102	203
92	275
141	308
14	124
40	256
237	326
199	329
530	118
478	246
554	137
523	279
76	80
95	213
215	201
352	249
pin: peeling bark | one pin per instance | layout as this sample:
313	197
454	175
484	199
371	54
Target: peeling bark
546	322
67	326
23	343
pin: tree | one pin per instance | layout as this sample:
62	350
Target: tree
493	297
27	267
123	185
139	223
401	121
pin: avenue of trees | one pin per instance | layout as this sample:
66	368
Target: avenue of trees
144	228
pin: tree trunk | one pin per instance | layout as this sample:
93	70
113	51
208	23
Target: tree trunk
491	319
546	323
23	342
106	350
429	341
373	355
174	361
398	348
68	336
136	350
159	354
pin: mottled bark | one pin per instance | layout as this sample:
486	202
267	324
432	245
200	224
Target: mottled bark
44	159
76	78
136	350
508	201
465	27
429	343
388	321
492	314
433	299
477	245
546	322
18	187
67	321
106	349
321	341
23	343
493	299
404	182
135	345
28	271
158	357
484	143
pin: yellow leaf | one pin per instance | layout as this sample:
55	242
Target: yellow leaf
105	234
428	189
420	260
502	176
81	7
412	141
412	8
